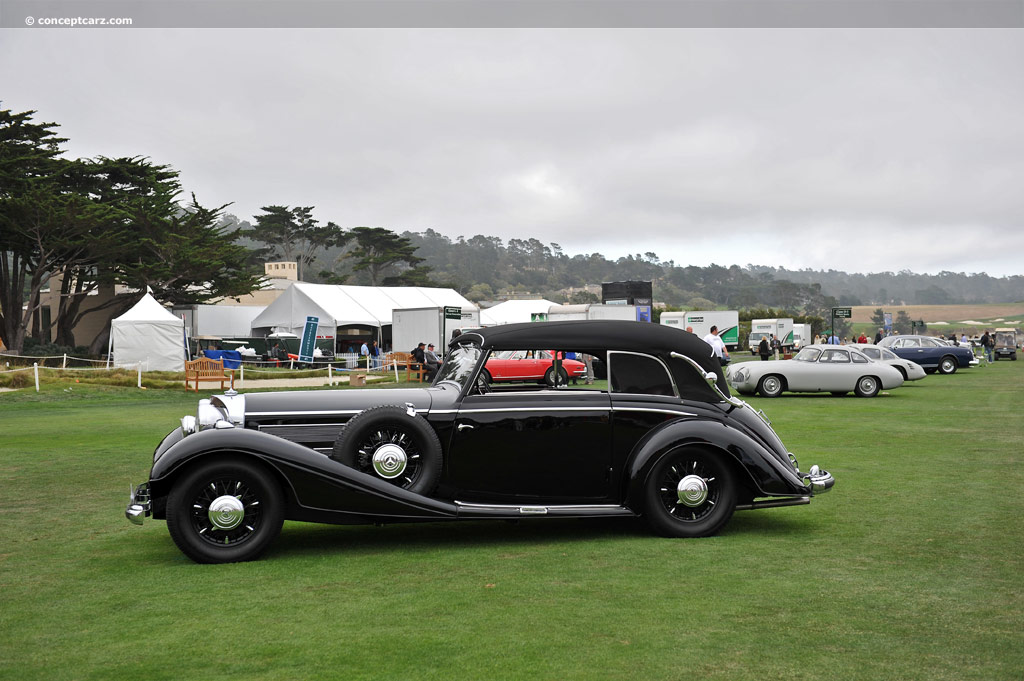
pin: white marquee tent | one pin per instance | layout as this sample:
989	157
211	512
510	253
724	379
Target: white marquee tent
150	334
514	311
347	305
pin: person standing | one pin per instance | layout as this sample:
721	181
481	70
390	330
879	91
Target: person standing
862	338
718	348
364	355
878	336
987	343
763	349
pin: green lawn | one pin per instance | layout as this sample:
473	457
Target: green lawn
910	569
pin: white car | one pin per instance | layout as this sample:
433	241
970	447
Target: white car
836	369
912	371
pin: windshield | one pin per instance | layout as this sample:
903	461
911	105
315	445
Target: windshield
808	355
459	364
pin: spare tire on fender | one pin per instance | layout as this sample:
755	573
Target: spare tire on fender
392	443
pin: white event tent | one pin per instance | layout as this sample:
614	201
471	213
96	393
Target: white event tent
347	306
514	311
148	334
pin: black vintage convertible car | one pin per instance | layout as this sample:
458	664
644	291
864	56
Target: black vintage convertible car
660	438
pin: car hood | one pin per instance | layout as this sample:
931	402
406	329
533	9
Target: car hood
326	402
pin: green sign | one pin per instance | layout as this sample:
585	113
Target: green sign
308	339
538	317
842	312
452	312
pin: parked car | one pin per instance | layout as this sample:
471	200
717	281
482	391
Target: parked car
932	354
531	365
837	369
664	441
911	371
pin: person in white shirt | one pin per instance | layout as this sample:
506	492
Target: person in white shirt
718	348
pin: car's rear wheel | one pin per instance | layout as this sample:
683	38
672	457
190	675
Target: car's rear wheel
689	493
947	365
549	377
867	386
225	511
391	444
771	385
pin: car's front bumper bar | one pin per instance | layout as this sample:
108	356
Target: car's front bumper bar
138	504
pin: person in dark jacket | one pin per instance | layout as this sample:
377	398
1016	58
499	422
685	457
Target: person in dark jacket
417	353
764	349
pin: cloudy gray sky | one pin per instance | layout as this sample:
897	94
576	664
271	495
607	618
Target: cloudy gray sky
858	150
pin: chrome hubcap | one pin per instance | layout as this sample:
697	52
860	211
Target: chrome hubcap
692	491
389	461
226	512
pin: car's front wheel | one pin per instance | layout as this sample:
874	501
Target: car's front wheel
225	511
771	386
867	386
947	365
689	493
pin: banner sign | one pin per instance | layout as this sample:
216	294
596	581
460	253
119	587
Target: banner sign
842	312
452	312
308	339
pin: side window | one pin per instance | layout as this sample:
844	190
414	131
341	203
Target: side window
858	358
873	353
640	374
834	356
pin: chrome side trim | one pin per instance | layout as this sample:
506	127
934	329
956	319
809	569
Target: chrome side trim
671	378
773	503
654	411
544	408
334	412
534	509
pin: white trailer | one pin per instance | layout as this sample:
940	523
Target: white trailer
412	326
627	312
802	335
673	319
781	328
701	321
222	321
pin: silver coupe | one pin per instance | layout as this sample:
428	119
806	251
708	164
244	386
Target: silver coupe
836	369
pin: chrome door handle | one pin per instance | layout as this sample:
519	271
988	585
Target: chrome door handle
464	426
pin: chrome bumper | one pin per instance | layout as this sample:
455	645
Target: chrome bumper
818	480
138	504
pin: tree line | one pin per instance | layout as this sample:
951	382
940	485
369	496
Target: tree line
78	225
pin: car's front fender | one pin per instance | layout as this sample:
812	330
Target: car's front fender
315	485
764	473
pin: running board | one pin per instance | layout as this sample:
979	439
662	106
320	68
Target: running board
471	510
773	503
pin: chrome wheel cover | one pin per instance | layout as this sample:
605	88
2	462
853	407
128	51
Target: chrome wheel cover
772	385
226	512
868	385
692	491
389	461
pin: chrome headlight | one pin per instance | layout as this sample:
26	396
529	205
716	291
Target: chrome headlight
740	375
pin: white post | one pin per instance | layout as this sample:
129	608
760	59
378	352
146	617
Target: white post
35	370
330	375
241	375
140	373
64	365
291	364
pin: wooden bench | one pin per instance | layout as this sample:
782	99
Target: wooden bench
413	369
205	369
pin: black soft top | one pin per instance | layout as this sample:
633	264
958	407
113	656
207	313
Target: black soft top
597	336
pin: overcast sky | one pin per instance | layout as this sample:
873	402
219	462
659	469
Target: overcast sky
856	150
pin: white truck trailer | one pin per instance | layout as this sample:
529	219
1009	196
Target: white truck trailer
411	326
781	328
727	321
802	335
561	313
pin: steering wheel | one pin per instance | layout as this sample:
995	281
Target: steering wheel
482	387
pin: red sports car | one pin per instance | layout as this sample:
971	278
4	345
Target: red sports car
531	365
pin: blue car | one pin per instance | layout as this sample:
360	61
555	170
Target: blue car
931	353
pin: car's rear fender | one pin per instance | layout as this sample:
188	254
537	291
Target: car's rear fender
315	486
757	469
